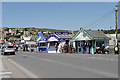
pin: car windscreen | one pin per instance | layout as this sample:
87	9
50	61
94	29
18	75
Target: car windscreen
10	46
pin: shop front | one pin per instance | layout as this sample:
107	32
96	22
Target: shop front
86	41
41	43
58	38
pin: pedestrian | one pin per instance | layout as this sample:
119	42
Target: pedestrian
16	47
116	49
62	49
103	49
70	49
28	47
24	47
107	49
56	47
97	49
21	46
59	47
90	46
84	48
65	48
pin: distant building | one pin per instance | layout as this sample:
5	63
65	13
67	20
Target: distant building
112	41
28	39
2	38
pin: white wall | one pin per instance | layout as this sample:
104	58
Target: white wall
52	39
81	37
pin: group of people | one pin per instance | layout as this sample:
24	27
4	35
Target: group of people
27	48
15	46
60	48
22	47
102	49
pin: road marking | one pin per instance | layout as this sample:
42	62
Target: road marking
92	57
107	59
100	58
106	74
5	72
48	60
83	68
111	59
6	77
28	73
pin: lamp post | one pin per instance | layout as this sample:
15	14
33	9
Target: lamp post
116	41
116	9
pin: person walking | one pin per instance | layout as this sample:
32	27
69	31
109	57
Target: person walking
16	47
24	47
29	48
56	47
21	47
59	48
83	46
103	49
65	48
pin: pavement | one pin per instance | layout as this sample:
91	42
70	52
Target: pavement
4	73
45	65
9	69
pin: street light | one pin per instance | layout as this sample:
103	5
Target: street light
116	9
116	41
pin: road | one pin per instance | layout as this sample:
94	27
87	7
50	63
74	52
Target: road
44	65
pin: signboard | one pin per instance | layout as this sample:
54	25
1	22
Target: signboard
40	37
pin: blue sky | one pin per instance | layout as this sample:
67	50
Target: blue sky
58	15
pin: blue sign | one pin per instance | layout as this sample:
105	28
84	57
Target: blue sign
41	36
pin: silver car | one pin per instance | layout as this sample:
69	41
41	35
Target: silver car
8	50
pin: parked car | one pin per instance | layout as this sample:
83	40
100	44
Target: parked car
8	50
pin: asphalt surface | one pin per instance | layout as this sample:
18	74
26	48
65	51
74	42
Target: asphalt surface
45	65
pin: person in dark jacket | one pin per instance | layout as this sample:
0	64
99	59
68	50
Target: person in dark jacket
84	48
56	47
103	49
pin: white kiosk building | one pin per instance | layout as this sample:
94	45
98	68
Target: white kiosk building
91	39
